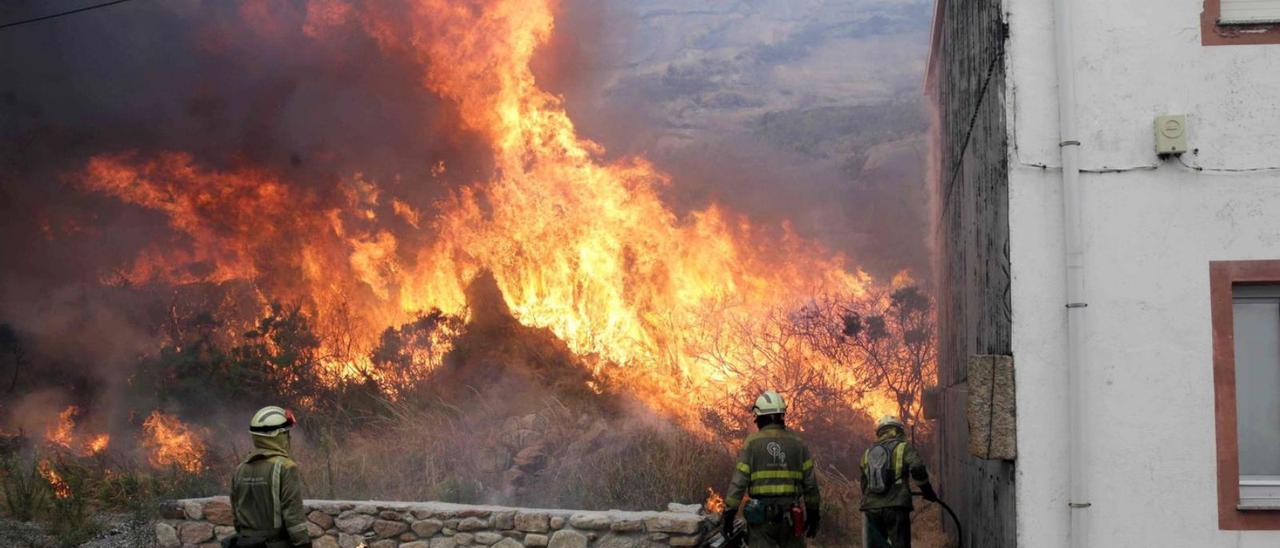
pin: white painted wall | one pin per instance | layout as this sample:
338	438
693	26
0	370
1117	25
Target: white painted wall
1150	235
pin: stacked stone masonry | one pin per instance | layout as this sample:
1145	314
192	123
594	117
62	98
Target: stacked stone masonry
203	523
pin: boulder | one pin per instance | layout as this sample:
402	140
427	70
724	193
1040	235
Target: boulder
684	508
218	512
313	530
535	540
590	521
195	532
557	522
622	541
443	543
472	524
221	532
532	522
504	520
567	538
505	543
324	542
384	543
687	524
193	510
415	544
691	540
321	519
353	523
627	525
428	527
386	528
487	537
463	539
167	536
366	509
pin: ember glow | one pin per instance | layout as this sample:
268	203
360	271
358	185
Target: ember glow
579	245
170	443
97	444
59	433
60	488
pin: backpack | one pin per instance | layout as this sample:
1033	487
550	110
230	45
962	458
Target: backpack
881	463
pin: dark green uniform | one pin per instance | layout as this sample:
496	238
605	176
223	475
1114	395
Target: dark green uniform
266	496
888	515
776	469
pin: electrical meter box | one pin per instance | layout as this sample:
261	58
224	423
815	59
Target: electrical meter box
1171	135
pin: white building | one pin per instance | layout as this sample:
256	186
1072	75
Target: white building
1147	396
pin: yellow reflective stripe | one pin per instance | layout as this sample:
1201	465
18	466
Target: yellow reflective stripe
277	516
776	474
742	467
898	453
807	466
782	489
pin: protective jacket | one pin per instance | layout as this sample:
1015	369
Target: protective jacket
774	464
266	495
906	462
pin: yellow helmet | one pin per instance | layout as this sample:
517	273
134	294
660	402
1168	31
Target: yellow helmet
271	420
769	403
887	421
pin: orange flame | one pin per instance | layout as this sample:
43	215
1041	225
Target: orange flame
714	503
579	245
60	488
97	444
59	433
169	442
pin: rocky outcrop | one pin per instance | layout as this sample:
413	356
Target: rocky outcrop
348	524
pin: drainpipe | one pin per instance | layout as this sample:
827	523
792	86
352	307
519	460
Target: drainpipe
1069	144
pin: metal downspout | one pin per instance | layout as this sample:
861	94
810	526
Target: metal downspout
1069	144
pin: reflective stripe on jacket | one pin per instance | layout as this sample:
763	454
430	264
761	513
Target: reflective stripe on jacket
906	462
774	462
266	494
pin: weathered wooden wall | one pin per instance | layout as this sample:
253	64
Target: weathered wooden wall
972	264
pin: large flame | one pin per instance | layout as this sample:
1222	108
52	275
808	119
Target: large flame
170	443
584	247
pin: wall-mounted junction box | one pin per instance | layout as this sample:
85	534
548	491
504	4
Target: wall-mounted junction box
1171	135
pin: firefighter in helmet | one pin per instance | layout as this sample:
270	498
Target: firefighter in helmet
266	491
886	491
775	470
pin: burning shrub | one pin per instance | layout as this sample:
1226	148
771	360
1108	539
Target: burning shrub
171	443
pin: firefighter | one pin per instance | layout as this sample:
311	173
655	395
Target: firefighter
776	471
886	493
266	491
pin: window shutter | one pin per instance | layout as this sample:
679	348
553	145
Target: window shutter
1245	12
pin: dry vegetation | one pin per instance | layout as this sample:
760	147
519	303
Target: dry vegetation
508	416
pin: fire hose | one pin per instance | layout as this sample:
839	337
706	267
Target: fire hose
950	512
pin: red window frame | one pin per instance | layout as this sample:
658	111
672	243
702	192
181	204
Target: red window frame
1223	276
1214	34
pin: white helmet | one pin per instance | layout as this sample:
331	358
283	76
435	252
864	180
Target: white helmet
769	403
271	420
887	421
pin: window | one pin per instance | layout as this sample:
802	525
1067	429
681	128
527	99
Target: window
1228	22
1245	301
1256	314
1249	12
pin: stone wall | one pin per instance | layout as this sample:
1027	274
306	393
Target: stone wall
204	522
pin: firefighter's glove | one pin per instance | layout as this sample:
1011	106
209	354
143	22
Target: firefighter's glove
927	493
726	521
812	520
